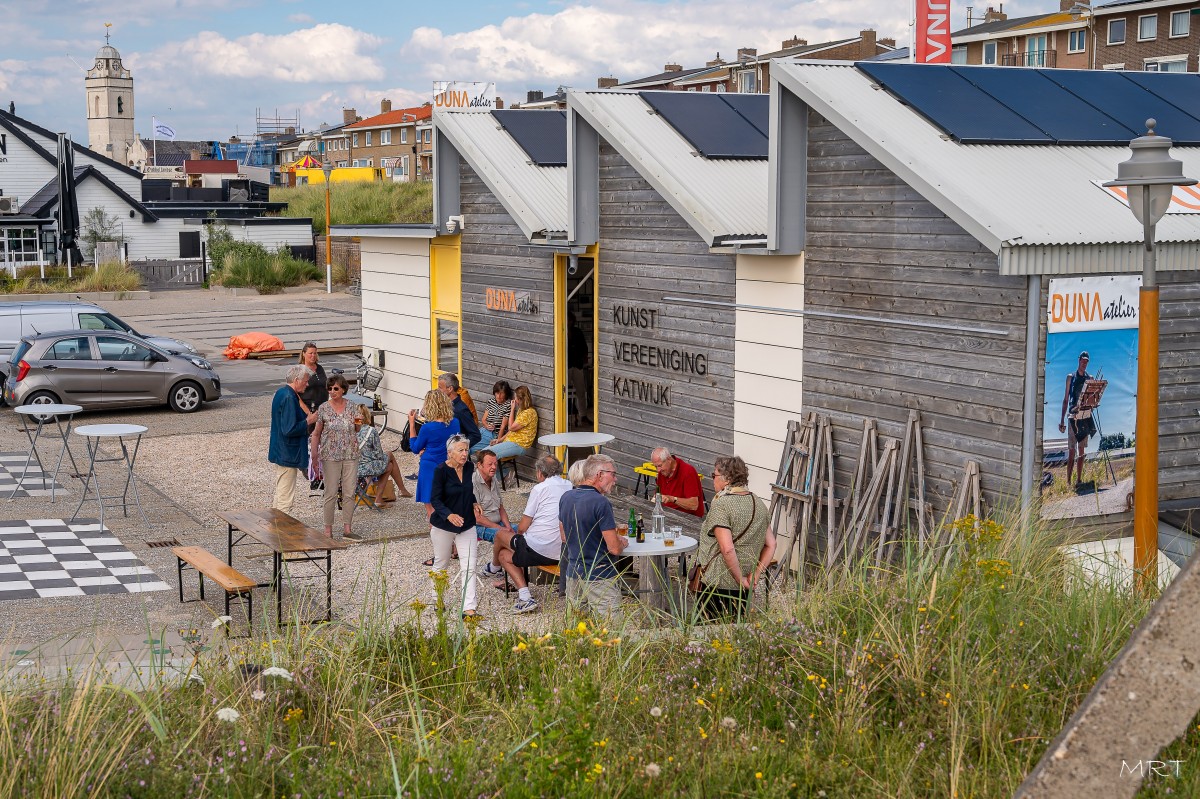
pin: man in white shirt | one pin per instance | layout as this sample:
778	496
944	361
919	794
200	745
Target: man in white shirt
537	541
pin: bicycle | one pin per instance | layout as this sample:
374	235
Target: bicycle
366	377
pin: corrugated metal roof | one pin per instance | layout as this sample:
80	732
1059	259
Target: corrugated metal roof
1035	206
534	196
721	199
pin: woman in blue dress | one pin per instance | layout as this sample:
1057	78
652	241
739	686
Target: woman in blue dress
430	443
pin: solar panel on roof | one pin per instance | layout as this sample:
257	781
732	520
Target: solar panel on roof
1180	89
1047	106
715	128
541	134
954	104
1129	102
756	108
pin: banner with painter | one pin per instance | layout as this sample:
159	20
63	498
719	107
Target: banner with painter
1090	400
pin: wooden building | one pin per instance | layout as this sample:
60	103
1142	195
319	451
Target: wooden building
930	234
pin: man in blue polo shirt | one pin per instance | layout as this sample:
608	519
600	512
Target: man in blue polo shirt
590	532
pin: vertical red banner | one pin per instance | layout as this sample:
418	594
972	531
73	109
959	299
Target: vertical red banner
933	32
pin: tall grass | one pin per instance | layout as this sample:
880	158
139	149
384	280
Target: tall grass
947	678
380	202
104	277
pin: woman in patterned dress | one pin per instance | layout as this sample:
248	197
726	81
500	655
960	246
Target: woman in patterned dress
335	440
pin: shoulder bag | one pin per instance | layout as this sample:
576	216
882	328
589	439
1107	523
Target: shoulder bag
696	578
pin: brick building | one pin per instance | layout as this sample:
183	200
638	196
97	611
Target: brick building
1146	35
1058	39
398	141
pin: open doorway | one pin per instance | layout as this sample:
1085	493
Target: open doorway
576	338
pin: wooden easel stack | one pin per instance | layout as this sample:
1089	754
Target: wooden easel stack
872	515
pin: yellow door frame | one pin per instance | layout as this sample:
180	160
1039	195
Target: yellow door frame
445	297
561	261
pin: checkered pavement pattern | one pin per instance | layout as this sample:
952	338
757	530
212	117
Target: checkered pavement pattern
43	558
11	466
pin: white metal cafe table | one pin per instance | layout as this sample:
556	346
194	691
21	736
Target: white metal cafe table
94	434
369	402
653	582
40	415
568	440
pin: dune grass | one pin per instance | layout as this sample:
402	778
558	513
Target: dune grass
103	277
947	678
380	202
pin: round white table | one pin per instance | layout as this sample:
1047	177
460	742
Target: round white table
369	402
40	414
653	583
94	434
568	440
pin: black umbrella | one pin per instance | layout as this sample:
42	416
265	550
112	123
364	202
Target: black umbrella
68	205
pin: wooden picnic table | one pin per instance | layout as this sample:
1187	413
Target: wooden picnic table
284	535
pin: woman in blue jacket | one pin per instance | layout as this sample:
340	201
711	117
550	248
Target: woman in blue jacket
430	443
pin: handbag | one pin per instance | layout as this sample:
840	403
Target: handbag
696	577
406	434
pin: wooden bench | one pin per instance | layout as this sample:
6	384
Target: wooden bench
209	565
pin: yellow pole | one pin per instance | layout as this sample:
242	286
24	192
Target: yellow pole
1145	457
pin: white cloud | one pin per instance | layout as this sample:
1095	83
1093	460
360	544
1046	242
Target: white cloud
326	53
300	19
633	38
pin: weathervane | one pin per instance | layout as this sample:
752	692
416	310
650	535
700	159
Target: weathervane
107	33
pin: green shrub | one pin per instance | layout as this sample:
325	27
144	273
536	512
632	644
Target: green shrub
109	277
377	203
250	265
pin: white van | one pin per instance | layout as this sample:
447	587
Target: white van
20	319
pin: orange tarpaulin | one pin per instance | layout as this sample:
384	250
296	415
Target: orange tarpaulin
246	343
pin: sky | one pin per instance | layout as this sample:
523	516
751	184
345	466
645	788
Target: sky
207	67
1112	354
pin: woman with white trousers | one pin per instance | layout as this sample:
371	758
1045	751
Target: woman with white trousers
452	523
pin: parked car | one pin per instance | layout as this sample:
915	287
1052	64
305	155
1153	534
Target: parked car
19	319
106	369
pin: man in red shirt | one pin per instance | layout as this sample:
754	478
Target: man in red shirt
678	483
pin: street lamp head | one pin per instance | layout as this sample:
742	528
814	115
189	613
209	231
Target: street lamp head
327	168
1150	173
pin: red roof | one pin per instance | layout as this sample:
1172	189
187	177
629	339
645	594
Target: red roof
210	167
394	118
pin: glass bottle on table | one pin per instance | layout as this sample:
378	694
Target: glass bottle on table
632	530
641	529
658	519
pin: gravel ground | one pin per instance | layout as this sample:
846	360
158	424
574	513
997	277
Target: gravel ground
190	467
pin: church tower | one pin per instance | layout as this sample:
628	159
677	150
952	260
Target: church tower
109	89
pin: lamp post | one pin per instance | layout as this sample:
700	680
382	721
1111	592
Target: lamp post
327	168
1149	177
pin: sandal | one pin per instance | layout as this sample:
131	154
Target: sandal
498	585
428	562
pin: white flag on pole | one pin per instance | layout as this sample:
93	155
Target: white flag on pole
163	130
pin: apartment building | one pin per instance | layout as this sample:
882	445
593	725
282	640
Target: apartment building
399	141
1146	35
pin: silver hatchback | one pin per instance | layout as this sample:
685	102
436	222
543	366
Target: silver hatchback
106	369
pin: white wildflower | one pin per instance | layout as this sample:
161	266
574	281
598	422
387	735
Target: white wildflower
196	678
228	714
258	695
221	621
653	770
276	671
729	723
656	711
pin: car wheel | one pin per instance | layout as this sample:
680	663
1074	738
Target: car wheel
186	397
42	398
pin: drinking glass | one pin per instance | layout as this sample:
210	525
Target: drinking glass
671	534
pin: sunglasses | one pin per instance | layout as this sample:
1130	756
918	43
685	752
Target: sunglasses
456	439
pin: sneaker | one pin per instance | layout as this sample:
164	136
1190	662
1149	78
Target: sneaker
490	570
411	477
353	537
526	606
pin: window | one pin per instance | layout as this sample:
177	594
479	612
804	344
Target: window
746	82
404	135
1147	27
1181	22
100	321
989	53
404	165
1116	31
120	349
354	140
371	162
447	345
1077	41
1035	50
19	245
720	87
385	137
428	135
70	349
1114	67
368	138
1172	63
958	55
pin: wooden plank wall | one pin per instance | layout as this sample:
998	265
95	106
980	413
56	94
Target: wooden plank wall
1179	388
498	345
877	247
648	251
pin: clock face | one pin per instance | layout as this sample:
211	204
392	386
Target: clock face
116	64
99	63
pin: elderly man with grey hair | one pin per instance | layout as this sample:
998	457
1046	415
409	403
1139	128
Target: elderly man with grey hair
678	483
590	531
537	541
288	447
448	384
